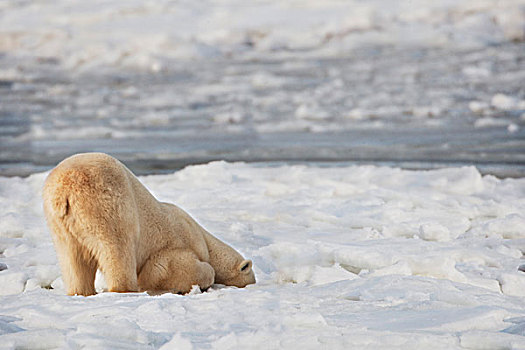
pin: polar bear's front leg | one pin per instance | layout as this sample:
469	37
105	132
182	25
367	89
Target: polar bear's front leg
176	271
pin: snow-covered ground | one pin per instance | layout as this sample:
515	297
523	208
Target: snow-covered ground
345	257
149	34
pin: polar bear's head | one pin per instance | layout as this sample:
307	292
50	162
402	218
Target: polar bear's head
231	269
240	276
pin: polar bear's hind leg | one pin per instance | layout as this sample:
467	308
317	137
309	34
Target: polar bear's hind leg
119	268
78	268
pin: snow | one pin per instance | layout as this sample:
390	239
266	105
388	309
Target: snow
345	257
149	34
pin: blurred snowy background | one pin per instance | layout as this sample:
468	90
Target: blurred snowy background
163	84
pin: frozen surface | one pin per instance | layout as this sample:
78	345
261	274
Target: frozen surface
346	257
149	34
162	84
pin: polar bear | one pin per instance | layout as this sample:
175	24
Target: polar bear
101	217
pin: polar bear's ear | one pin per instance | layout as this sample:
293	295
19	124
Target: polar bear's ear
245	266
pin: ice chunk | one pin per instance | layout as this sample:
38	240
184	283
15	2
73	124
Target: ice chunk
504	102
177	342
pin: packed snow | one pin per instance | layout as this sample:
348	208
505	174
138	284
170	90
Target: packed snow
345	257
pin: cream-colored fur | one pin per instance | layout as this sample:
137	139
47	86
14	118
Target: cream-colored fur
102	217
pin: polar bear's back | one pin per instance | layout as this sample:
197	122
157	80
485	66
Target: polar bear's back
90	193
